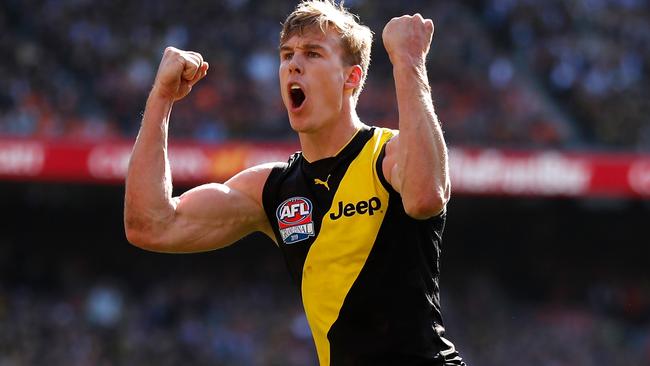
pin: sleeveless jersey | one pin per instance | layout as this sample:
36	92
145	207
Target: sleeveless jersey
368	273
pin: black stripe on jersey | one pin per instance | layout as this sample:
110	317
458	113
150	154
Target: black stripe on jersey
296	179
372	328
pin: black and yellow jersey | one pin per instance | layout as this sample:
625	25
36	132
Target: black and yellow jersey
368	273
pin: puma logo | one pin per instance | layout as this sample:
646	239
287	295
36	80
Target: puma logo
318	181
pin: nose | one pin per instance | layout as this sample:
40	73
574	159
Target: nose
295	67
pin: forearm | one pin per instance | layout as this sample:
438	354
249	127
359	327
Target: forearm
148	196
422	153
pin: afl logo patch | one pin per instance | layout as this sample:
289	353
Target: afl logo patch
294	219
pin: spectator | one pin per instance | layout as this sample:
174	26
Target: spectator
510	74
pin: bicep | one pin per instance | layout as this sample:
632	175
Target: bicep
215	215
418	182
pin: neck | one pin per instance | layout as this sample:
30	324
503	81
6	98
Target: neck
330	139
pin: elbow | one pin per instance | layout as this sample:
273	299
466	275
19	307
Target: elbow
424	206
140	239
140	236
137	238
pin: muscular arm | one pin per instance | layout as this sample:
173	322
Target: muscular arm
416	160
207	217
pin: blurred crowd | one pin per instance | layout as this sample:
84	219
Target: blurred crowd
68	307
187	321
227	318
560	284
606	323
593	56
504	73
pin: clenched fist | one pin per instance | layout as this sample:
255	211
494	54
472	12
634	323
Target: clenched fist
408	38
178	71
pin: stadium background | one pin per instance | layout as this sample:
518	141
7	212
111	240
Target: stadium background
545	106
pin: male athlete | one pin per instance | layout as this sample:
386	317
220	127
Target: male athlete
358	214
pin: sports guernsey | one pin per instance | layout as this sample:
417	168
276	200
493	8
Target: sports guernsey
368	273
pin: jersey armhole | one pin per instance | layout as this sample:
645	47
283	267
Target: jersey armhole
269	191
380	170
271	181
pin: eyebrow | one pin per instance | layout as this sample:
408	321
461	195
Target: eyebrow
307	47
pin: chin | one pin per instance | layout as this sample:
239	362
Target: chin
299	125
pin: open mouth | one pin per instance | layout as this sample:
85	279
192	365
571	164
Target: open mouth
297	96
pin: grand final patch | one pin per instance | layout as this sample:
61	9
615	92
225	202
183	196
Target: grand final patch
294	219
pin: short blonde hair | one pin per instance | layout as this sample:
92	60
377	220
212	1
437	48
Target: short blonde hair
356	39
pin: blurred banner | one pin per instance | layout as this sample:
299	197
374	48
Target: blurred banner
473	171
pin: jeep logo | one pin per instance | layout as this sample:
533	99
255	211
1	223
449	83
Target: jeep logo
360	208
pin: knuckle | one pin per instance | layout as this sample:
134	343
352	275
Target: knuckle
193	57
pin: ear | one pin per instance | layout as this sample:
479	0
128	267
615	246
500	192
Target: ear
355	73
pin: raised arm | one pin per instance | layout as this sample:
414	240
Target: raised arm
207	217
416	160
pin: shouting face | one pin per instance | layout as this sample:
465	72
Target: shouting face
315	83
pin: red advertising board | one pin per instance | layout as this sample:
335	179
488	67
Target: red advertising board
473	171
550	173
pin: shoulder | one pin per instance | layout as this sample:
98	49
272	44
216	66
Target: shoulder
385	141
251	181
382	138
378	137
385	133
388	136
255	173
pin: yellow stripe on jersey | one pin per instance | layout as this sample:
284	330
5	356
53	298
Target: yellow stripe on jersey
347	234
